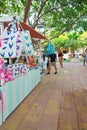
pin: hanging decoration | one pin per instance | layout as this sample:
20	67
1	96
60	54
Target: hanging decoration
8	42
36	44
15	42
27	43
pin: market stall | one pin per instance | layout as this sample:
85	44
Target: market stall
20	75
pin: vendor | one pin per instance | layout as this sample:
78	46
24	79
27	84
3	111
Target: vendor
24	60
21	59
31	60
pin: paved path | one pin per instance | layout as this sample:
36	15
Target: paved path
75	60
59	102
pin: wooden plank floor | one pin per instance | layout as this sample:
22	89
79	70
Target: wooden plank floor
59	102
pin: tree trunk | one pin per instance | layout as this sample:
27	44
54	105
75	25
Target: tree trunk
27	8
38	15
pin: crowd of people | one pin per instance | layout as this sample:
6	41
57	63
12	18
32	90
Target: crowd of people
52	59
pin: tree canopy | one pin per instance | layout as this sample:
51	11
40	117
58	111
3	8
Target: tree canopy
54	15
12	7
60	15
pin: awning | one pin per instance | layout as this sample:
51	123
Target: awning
33	33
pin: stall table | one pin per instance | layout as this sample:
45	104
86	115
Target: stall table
14	92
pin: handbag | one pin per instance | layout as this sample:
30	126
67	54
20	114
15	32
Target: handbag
8	41
15	41
27	43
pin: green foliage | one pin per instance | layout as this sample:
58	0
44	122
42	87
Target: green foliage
73	40
58	16
12	7
60	41
83	39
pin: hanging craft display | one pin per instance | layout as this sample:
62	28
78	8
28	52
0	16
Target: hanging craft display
19	44
14	43
27	43
36	44
8	42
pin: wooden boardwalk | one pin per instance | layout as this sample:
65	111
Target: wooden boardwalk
59	102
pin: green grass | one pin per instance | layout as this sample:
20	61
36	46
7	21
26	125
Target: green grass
81	60
67	60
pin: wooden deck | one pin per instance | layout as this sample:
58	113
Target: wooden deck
59	102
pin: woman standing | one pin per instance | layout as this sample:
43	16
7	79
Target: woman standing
60	56
85	57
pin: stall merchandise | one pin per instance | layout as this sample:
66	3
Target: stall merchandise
14	92
19	79
15	42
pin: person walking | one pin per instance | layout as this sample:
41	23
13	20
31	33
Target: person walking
60	57
52	62
85	57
